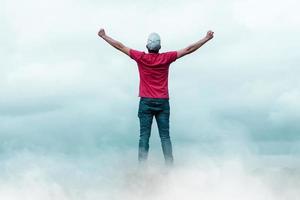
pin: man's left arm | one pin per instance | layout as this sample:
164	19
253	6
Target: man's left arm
118	45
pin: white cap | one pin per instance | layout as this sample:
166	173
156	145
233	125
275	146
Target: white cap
153	42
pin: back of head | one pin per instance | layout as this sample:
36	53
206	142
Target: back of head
153	43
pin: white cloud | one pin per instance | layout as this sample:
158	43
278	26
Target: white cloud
54	61
34	176
267	15
69	100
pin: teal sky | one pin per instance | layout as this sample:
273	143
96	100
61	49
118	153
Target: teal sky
63	89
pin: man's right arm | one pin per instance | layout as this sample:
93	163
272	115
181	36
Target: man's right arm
193	47
118	45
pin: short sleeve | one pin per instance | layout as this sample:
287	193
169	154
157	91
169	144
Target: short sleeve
171	56
135	55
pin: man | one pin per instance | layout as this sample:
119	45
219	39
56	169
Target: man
153	90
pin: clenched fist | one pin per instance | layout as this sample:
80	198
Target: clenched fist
209	35
101	33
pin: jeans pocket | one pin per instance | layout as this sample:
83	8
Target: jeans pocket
143	108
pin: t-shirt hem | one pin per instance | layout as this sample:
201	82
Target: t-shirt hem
156	97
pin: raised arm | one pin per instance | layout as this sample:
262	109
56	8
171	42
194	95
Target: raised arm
195	46
118	45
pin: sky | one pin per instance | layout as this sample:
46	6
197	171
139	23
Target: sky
68	97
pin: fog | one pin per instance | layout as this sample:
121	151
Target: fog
68	101
32	176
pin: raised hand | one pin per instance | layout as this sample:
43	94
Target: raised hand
209	34
101	32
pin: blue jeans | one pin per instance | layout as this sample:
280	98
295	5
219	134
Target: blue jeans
160	108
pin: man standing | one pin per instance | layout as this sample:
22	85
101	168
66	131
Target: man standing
153	90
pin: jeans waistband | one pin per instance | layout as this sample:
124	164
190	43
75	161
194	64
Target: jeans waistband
155	99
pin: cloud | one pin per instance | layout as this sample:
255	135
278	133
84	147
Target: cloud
68	101
286	110
267	15
102	176
236	91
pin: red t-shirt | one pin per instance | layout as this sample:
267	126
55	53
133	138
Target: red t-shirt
153	70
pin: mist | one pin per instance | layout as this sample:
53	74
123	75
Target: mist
68	101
